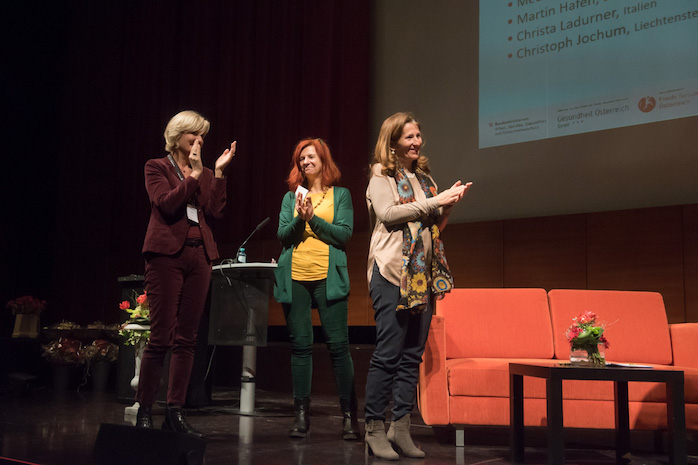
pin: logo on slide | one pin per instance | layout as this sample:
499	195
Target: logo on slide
646	104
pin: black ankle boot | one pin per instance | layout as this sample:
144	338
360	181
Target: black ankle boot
175	421
350	424
144	417
301	422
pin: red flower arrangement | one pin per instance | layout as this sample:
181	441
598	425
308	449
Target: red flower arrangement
64	350
586	334
137	316
26	305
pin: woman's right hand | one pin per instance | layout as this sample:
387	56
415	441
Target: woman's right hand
195	159
304	207
454	194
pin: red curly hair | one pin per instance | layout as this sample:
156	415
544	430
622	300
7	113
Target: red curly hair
330	173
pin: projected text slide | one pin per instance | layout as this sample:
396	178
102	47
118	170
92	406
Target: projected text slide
554	68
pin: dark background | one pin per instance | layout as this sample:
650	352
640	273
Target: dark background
87	90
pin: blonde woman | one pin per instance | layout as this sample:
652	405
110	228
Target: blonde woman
185	197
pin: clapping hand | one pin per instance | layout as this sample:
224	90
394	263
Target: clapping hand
304	207
224	160
454	194
195	159
450	197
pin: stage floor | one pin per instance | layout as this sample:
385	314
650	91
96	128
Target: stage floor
50	427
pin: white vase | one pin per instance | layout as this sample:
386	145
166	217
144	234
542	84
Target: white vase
589	356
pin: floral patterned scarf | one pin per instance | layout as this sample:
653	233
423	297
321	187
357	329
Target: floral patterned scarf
413	281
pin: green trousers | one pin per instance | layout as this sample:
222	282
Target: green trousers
307	295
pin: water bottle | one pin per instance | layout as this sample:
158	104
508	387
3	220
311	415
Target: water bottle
242	255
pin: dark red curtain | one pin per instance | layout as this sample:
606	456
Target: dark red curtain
265	73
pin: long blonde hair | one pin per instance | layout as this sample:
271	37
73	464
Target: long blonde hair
390	133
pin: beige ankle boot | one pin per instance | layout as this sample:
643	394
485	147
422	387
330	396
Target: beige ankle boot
399	435
377	442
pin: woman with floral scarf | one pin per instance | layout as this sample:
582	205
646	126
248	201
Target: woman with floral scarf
407	269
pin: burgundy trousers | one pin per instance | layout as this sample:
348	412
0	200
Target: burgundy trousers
177	286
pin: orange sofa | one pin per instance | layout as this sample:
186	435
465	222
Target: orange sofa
476	333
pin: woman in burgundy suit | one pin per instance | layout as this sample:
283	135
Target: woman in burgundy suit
178	251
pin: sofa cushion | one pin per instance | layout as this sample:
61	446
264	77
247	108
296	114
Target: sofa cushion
499	323
489	377
684	344
636	323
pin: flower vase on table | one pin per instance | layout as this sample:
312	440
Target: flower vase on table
593	355
587	341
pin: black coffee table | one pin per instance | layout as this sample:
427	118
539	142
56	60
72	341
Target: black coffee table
620	375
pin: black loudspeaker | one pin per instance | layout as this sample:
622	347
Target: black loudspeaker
123	444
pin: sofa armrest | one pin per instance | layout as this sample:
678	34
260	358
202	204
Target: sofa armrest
684	344
433	397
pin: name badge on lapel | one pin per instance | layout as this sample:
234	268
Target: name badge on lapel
192	215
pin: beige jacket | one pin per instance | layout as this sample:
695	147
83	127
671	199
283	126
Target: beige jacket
388	217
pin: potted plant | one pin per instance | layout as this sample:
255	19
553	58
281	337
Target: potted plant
26	310
66	356
100	355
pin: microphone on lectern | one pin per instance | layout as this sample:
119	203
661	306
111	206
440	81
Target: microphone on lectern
259	226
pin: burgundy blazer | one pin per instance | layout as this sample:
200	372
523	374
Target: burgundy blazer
168	225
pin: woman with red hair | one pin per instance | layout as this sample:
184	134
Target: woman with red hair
315	224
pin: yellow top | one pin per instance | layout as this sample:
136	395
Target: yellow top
311	256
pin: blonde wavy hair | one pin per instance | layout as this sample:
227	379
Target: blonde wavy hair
182	123
390	133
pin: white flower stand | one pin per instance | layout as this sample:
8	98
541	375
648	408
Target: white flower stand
131	411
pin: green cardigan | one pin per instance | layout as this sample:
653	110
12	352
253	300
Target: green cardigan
336	234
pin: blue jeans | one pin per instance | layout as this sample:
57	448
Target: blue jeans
400	340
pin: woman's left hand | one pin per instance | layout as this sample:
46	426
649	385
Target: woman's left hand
224	160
